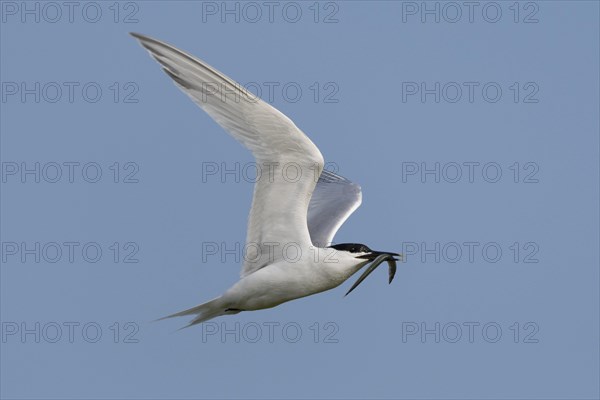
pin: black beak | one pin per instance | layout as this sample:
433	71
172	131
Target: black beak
378	257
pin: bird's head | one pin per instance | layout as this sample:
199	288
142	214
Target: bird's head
363	252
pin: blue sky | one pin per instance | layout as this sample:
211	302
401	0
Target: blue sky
472	131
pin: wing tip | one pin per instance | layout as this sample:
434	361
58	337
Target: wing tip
139	36
145	41
148	42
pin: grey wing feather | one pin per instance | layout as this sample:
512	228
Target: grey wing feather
335	198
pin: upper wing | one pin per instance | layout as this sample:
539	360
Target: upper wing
288	160
334	200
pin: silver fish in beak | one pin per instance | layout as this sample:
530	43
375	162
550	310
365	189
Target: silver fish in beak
378	258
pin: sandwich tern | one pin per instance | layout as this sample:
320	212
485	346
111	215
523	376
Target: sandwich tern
299	210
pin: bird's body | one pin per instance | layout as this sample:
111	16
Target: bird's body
284	281
280	282
297	207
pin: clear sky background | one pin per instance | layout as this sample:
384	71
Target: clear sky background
498	297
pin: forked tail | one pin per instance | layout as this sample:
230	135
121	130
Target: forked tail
209	310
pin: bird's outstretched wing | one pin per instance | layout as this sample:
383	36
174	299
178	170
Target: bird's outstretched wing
335	198
290	163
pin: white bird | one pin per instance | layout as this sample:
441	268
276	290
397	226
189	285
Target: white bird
290	208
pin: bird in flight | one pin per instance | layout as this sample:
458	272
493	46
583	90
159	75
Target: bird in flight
302	209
